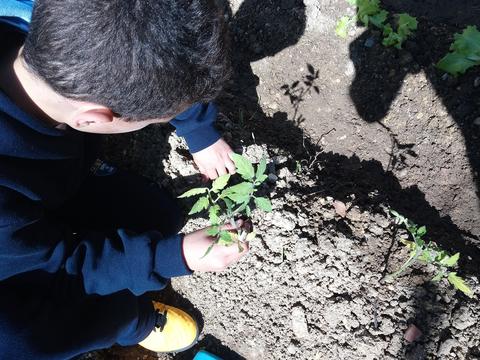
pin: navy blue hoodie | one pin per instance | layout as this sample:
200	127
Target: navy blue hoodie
40	168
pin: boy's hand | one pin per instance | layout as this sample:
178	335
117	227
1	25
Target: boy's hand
214	160
219	258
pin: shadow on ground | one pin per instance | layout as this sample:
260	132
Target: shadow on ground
380	72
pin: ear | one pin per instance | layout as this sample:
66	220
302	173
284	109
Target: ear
93	117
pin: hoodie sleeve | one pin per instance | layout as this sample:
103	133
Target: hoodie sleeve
106	261
196	126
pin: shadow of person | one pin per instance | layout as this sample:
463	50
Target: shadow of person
381	71
259	29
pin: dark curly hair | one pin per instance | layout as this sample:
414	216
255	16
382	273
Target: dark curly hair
143	59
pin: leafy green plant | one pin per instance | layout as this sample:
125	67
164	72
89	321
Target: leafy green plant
369	13
224	204
429	253
406	24
464	52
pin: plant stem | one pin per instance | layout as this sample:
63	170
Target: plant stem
409	262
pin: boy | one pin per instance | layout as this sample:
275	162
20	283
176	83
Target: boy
80	241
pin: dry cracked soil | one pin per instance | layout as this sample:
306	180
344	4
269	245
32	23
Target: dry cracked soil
346	122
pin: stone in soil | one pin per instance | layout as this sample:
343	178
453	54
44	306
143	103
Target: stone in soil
299	322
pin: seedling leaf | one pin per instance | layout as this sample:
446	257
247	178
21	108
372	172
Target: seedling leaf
263	203
244	206
465	52
450	261
455	63
220	182
244	166
243	188
379	19
225	238
262	178
391	38
228	204
261	167
239	198
208	250
406	24
439	276
468	42
459	284
367	8
213	214
421	231
213	231
193	192
200	205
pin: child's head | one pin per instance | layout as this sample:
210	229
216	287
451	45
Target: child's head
139	59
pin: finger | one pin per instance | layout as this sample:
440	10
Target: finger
221	170
212	174
230	166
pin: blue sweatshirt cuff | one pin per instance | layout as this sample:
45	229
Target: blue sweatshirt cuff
201	138
169	260
196	126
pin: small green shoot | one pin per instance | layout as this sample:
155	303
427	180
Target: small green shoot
429	253
298	168
342	26
464	52
406	25
369	13
224	204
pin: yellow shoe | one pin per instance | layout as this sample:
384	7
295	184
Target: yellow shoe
174	331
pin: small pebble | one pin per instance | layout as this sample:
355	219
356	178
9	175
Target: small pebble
340	208
477	121
291	349
272	178
299	322
412	333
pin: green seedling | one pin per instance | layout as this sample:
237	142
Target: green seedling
429	253
406	24
369	13
342	26
464	52
298	168
224	204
